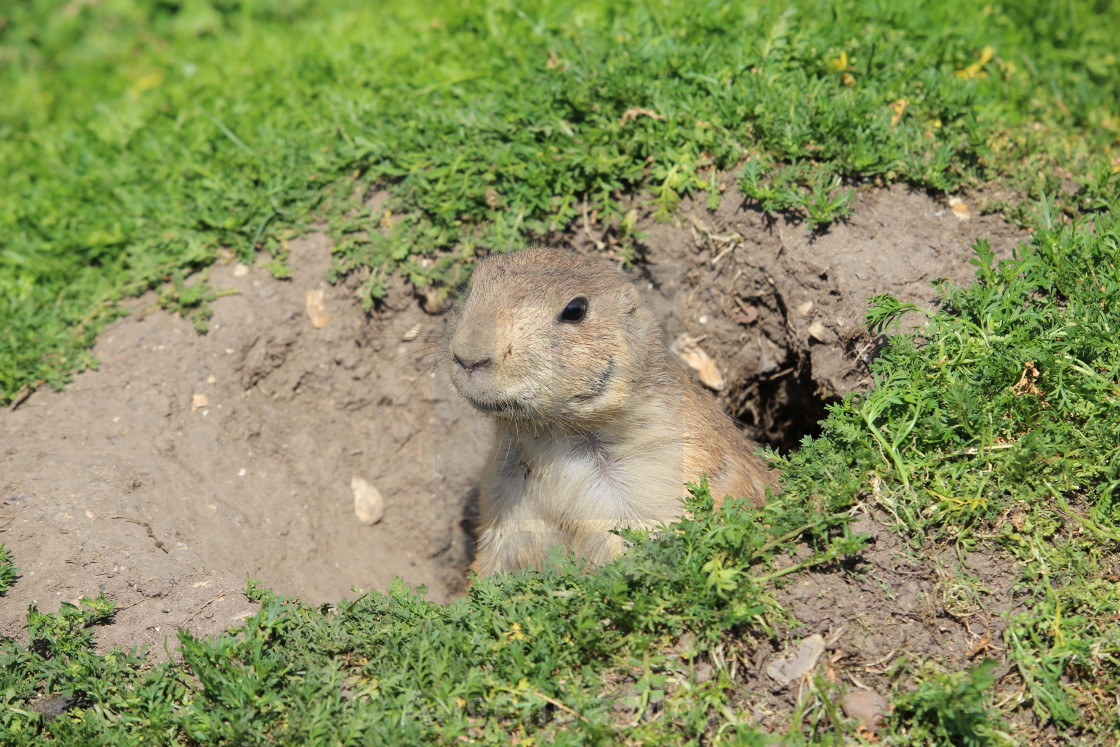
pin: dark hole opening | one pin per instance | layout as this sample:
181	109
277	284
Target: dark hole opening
780	410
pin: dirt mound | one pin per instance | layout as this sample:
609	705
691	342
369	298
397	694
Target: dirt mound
780	307
186	461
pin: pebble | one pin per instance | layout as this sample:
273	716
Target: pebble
369	506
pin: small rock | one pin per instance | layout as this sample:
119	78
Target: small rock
805	308
817	331
704	671
960	208
240	270
686	645
369	506
798	663
866	705
316	311
199	401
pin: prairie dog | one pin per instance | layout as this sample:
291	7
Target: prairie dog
598	425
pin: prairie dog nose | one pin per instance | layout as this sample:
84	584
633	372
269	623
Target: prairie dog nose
470	366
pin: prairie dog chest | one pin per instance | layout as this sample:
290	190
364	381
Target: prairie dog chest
584	483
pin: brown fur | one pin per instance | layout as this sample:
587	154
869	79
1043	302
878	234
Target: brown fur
599	426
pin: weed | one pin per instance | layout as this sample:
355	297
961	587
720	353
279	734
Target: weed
191	300
8	569
950	709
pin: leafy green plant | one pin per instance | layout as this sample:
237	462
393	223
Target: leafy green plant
67	632
8	569
192	300
950	709
59	674
1000	423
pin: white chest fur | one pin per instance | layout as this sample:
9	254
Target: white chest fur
571	491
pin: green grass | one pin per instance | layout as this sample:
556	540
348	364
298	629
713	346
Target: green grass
138	140
8	569
952	709
1002	427
516	655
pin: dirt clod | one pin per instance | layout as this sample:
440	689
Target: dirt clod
797	663
866	705
316	308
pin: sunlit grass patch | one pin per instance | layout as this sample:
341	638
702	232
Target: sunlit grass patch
141	138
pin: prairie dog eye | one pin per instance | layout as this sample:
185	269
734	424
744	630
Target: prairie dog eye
575	310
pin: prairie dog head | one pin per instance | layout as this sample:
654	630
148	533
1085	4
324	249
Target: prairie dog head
549	337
